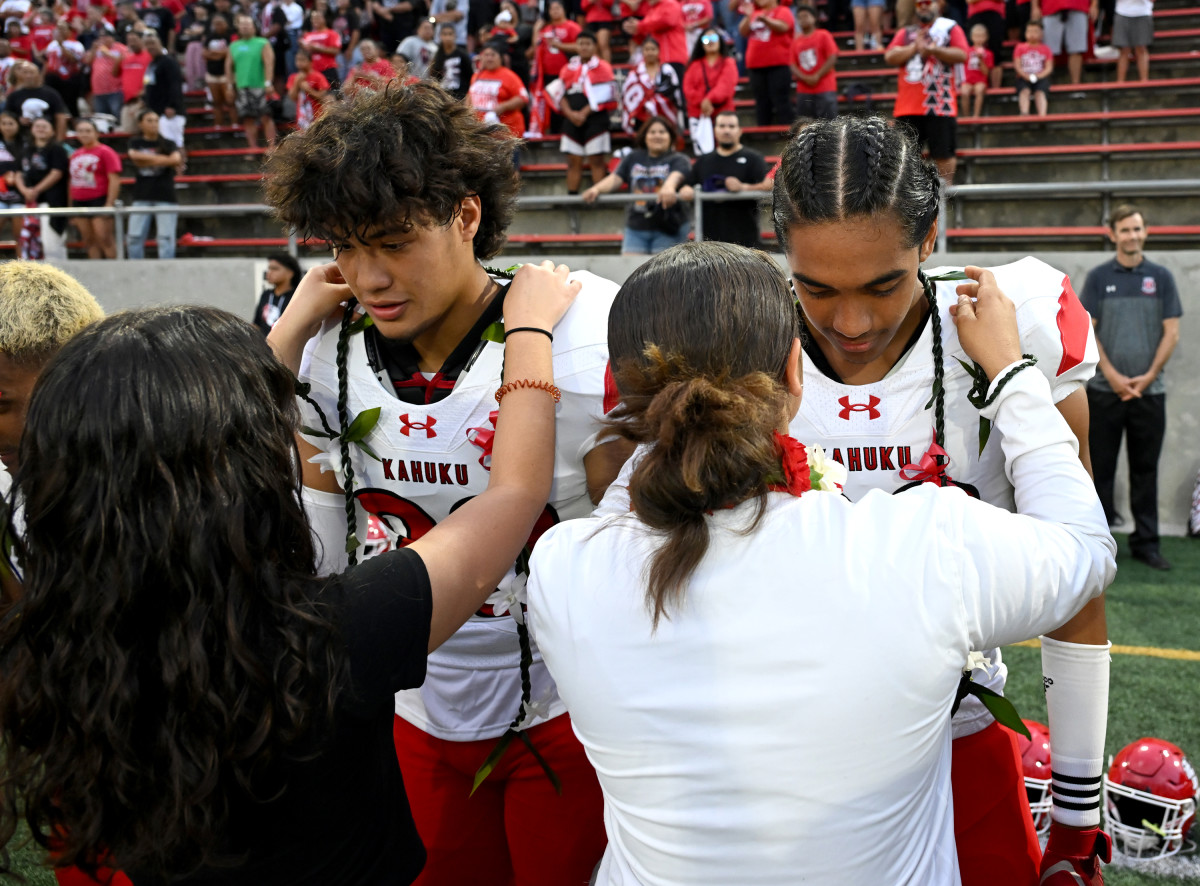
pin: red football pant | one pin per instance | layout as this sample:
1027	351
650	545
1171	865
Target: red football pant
992	823
76	877
515	830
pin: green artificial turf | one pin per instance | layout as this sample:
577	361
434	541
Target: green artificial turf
1147	696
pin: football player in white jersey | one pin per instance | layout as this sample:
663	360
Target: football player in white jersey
887	389
414	191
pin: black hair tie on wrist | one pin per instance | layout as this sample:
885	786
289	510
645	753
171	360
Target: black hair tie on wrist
545	332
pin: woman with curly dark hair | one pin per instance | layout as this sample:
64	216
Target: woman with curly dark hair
184	698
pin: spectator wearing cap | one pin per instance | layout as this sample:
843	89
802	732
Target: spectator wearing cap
419	48
589	97
812	58
768	29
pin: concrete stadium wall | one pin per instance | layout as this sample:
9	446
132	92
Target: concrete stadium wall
234	284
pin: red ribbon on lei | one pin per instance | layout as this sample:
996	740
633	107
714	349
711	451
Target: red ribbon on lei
931	468
797	479
484	438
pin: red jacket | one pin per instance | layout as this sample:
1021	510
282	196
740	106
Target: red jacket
722	84
664	22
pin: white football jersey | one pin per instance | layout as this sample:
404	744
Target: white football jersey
881	431
434	457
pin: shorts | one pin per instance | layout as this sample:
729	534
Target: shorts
252	103
90	202
215	78
601	144
938	134
996	28
1043	85
817	105
1073	32
864	4
1128	32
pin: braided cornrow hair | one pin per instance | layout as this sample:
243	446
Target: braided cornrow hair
343	380
840	169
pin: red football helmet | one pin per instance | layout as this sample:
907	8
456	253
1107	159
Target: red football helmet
1035	762
1150	799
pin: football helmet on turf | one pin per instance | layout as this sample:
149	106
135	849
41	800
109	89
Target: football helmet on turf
1035	763
1150	799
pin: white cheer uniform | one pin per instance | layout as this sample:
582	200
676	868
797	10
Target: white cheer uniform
788	725
432	459
875	430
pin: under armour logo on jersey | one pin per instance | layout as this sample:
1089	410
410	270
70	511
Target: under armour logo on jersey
426	426
868	407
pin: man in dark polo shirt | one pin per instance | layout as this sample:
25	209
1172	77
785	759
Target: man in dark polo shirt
731	168
1135	309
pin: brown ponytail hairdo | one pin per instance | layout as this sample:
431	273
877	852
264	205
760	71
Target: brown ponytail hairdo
699	338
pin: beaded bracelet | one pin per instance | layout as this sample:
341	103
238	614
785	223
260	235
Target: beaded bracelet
526	383
545	332
979	389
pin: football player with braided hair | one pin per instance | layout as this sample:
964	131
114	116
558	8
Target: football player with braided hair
890	391
399	400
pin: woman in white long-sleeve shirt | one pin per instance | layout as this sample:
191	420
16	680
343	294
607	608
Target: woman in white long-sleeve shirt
762	672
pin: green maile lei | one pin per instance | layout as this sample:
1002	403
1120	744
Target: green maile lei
1001	709
355	433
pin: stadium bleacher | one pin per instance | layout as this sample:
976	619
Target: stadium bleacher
1097	131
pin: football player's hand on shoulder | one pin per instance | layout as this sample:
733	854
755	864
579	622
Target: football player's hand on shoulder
539	296
987	322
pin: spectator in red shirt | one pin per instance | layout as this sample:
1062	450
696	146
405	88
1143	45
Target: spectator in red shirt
308	88
496	93
664	22
324	45
133	80
1066	29
708	85
64	67
980	62
768	31
105	59
19	40
1033	63
926	94
553	38
373	73
990	14
95	181
41	31
812	58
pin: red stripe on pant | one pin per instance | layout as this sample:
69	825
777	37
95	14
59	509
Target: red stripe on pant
76	877
515	830
993	827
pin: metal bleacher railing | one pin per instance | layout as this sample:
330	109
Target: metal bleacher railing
1106	189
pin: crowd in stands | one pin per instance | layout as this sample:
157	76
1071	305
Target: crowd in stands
543	69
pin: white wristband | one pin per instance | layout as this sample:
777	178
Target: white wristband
1075	677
